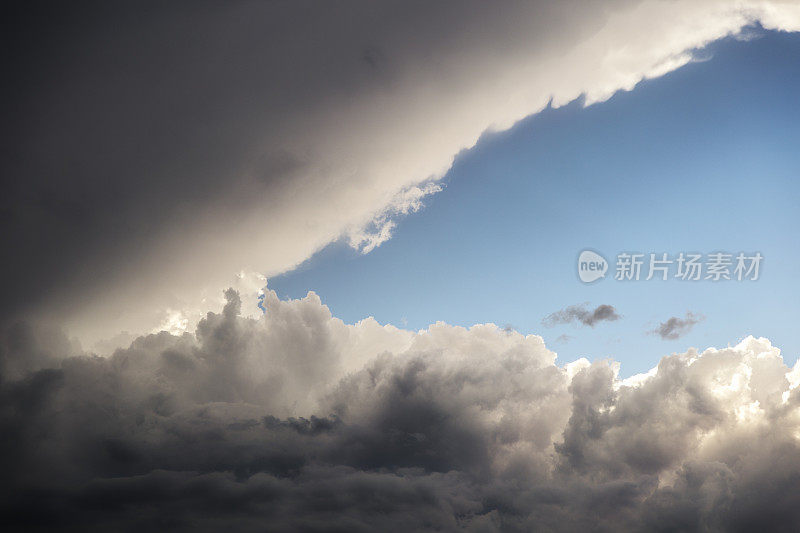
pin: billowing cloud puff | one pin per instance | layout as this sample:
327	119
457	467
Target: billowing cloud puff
155	152
297	421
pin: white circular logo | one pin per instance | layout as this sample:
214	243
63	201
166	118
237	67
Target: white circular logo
591	266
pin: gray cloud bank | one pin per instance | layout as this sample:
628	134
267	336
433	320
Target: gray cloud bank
675	327
154	150
581	315
299	422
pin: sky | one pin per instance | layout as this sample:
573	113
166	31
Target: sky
316	266
702	159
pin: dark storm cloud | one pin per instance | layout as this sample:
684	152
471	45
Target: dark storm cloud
128	126
450	429
153	150
675	327
582	315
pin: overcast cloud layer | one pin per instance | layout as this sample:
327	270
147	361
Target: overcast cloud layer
299	422
154	151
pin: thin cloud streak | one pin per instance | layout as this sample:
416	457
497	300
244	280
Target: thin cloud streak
579	314
674	327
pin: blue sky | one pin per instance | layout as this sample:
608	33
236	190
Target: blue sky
703	159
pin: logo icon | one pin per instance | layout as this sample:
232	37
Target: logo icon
591	266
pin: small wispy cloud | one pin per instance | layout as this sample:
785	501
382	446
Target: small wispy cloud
582	315
674	327
367	237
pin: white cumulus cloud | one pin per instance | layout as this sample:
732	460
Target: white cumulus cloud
301	421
